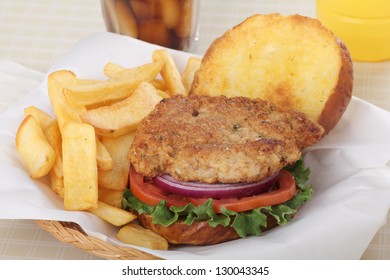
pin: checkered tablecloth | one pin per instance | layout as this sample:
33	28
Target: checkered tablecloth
33	34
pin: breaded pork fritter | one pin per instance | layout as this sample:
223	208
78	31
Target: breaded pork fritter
220	139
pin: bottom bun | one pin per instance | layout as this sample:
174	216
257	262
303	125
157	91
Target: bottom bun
199	233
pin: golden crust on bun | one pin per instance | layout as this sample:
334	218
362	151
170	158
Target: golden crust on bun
292	61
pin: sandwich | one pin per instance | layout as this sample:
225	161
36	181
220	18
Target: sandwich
226	161
205	170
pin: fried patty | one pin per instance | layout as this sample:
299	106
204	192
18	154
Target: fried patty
220	139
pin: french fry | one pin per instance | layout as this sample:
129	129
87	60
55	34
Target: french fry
193	64
114	215
135	234
43	118
103	157
112	70
100	104
80	166
114	89
54	137
34	148
169	72
84	148
111	197
159	84
163	94
57	184
118	147
65	113
87	82
124	116
146	71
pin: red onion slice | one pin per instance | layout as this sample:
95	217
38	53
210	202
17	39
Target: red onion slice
196	189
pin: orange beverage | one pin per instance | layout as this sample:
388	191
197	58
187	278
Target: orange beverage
364	26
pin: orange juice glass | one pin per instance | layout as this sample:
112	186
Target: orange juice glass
364	26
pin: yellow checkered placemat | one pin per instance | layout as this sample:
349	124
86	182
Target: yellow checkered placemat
36	33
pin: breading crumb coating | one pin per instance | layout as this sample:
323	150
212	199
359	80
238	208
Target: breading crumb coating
220	139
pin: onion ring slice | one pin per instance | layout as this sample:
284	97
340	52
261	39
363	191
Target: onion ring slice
219	190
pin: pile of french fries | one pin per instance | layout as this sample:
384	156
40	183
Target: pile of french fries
84	147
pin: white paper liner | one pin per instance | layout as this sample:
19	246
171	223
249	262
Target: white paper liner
350	179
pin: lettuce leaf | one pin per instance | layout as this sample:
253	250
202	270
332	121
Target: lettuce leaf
245	223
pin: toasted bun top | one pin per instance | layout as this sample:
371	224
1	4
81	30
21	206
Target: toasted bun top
293	61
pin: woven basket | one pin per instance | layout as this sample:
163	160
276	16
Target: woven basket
74	235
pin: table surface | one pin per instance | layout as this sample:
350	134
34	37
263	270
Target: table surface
36	33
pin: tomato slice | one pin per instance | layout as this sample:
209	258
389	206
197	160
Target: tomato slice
152	195
287	190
